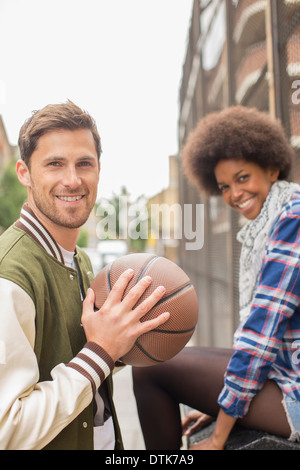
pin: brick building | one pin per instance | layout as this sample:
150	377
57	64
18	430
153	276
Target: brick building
239	52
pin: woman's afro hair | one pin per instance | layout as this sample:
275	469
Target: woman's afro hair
237	133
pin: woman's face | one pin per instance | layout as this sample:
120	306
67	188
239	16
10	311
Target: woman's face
244	185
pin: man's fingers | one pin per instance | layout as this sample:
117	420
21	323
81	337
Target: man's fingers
128	303
150	301
132	297
136	292
87	305
119	287
89	300
148	325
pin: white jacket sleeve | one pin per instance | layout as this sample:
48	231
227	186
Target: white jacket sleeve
32	413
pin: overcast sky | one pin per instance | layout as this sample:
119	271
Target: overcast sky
121	60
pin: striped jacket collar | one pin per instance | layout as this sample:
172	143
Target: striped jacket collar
33	227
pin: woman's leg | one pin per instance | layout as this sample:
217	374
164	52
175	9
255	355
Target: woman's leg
267	413
195	377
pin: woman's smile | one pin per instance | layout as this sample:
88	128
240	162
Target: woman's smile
244	185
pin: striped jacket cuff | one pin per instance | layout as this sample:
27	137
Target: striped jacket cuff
93	363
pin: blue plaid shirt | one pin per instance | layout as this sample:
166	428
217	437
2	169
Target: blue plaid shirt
268	345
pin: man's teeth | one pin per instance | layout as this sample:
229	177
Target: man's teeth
244	204
70	199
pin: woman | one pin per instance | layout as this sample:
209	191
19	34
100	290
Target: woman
244	156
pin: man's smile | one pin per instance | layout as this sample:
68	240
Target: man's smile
70	198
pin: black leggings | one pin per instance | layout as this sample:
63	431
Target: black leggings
195	377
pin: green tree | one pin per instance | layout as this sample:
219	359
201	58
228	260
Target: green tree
12	196
83	238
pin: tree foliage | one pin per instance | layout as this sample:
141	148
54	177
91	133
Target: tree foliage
12	196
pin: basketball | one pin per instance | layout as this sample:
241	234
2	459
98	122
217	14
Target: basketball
180	300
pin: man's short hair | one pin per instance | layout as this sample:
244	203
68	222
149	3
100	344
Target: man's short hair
54	117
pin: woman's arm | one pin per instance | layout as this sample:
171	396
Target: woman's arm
218	439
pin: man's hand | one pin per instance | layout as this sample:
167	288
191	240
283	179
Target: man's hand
116	326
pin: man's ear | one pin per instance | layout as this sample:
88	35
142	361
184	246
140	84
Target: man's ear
23	173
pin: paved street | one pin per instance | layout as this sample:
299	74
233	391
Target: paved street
126	409
127	412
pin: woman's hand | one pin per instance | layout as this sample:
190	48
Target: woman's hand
194	421
208	444
217	440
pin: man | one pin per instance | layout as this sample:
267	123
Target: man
57	353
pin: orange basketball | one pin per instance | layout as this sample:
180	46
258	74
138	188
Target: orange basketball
180	300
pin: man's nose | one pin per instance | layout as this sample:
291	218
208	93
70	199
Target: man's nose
71	177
